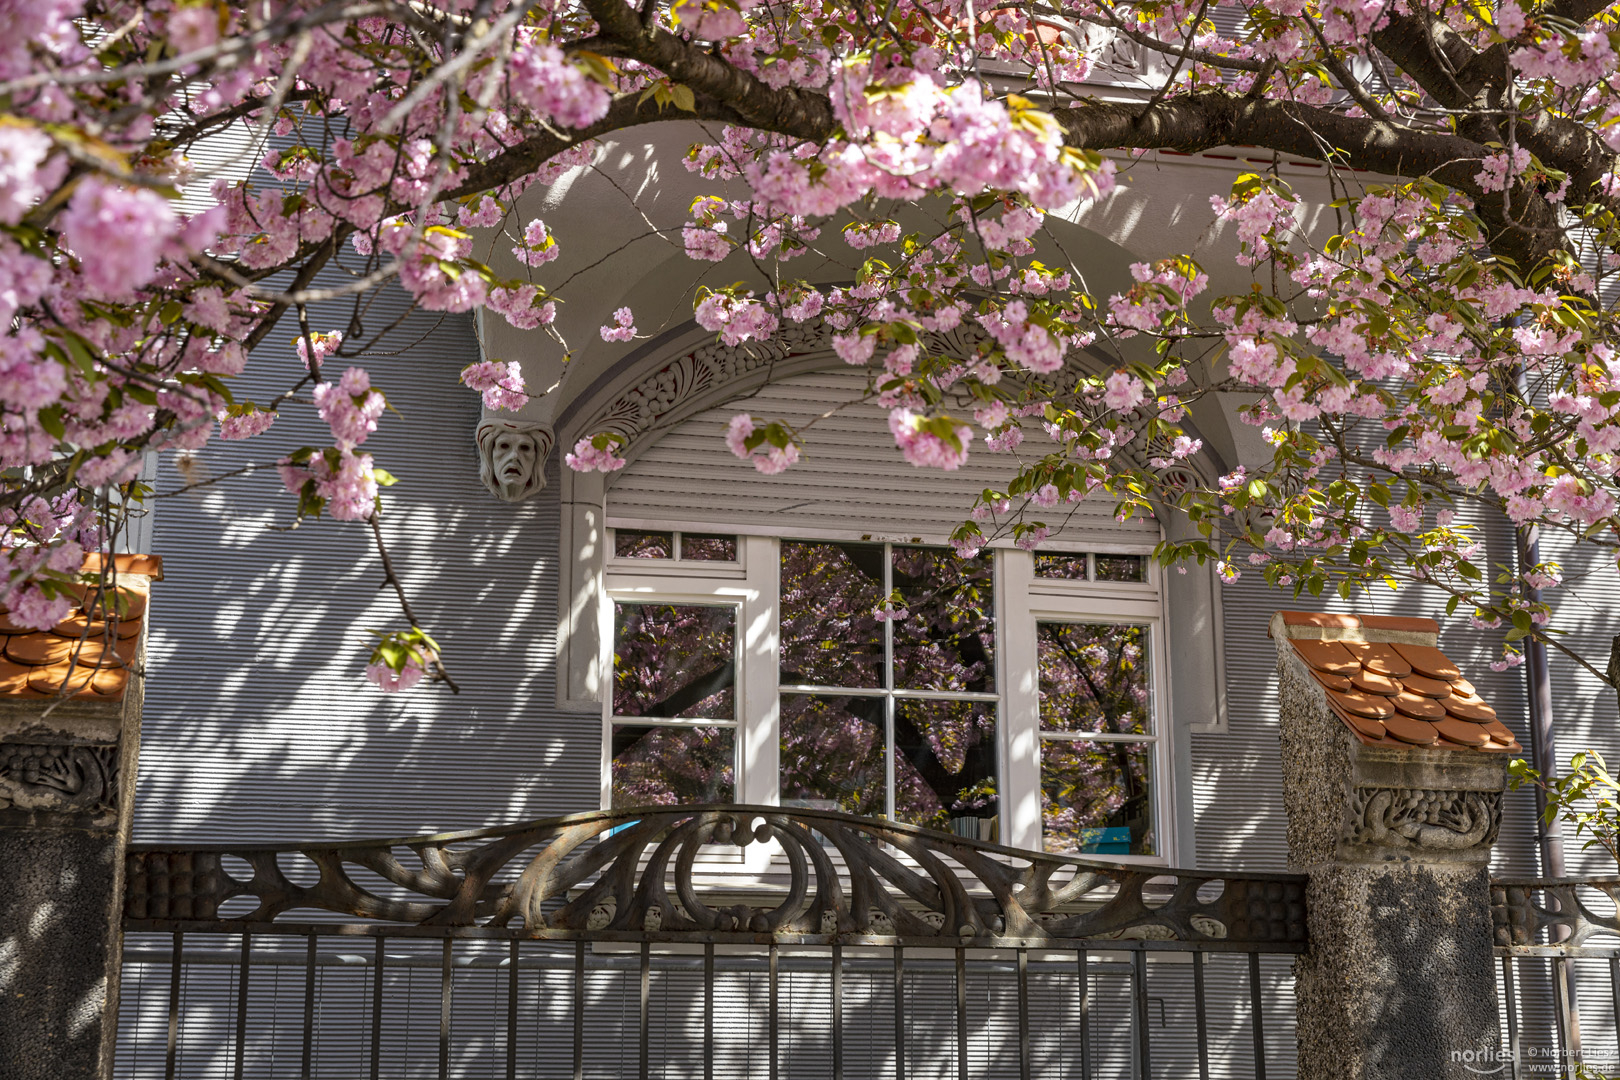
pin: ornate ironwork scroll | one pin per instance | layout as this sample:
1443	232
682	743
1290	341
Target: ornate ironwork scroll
629	875
1562	920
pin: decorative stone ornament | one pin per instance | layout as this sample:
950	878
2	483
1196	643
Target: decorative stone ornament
512	457
1393	825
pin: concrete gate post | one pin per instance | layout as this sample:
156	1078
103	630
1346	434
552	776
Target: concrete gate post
1394	826
67	775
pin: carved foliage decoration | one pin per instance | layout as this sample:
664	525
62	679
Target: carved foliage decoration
58	778
630	875
1417	819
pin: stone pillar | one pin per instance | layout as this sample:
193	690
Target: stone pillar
1399	980
67	775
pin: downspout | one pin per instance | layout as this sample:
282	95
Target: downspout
1543	747
1544	759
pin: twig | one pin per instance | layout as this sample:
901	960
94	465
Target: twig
440	674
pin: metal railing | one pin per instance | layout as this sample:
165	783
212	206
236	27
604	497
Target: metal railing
1558	945
607	944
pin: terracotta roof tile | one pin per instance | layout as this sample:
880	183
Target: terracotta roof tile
1387	690
145	565
1319	618
1429	661
1399	622
1329	656
96	642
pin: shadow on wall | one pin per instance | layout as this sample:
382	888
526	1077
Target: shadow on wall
259	722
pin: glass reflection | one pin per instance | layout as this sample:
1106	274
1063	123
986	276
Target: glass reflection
1066	567
657	765
1094	677
1096	797
830	636
832	753
1120	568
945	766
674	660
643	545
947	639
708	548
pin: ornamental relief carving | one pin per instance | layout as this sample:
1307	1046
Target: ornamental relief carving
59	779
712	365
1423	820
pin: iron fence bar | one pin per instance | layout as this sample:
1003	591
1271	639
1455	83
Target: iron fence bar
446	985
1614	994
1085	1018
1139	1008
961	1015
838	1011
1198	1009
511	1013
1254	1009
646	998
176	956
1023	1015
772	981
376	1012
899	1015
579	1009
708	1011
308	1070
1509	995
1561	1012
242	1004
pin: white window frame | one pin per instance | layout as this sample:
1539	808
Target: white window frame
1029	600
1022	600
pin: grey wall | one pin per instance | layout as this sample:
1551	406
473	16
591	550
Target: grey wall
259	723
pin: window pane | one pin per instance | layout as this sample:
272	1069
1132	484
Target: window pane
674	660
643	545
665	766
1097	797
1121	568
947	640
832	753
1094	677
945	766
830	636
708	548
1068	567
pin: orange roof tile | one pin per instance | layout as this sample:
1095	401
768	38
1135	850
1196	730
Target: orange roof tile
1390	684
90	650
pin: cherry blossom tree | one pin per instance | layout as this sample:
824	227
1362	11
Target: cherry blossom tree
1449	343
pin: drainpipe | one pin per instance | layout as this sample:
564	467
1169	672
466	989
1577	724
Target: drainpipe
1543	747
1544	759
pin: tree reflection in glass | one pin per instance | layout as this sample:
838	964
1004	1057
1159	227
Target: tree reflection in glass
1096	794
664	765
947	640
832	753
945	765
838	601
672	662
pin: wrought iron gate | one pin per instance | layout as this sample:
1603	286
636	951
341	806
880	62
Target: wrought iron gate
648	943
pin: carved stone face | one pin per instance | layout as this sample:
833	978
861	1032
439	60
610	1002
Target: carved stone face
514	456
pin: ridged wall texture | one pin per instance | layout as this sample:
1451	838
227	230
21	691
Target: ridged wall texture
258	723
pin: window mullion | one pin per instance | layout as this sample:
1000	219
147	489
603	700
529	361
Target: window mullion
888	687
